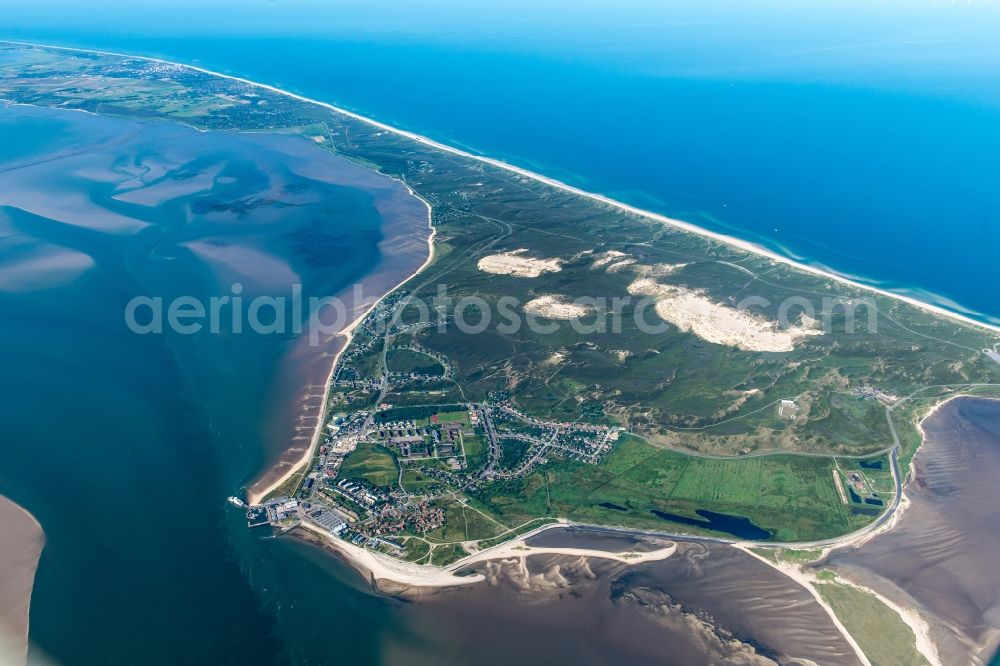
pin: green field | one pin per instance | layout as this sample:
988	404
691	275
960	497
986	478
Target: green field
794	497
407	361
883	636
460	416
370	462
465	521
414	483
475	450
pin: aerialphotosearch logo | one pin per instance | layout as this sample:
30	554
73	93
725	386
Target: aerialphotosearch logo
322	317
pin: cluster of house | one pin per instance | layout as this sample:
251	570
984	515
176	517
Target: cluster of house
424	518
358	493
412	440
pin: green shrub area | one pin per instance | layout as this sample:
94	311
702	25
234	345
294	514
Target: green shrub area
371	462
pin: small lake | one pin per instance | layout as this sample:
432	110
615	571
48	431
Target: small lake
737	526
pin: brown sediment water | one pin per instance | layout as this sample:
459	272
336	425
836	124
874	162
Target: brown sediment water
940	557
708	603
297	397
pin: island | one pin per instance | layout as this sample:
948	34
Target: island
562	358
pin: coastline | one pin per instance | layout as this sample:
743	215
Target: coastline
394	576
20	550
937	632
806	581
380	568
731	241
254	494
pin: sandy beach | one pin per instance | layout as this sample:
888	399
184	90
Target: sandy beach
627	208
807	582
276	476
20	548
391	575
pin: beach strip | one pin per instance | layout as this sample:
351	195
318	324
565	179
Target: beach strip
20	549
731	241
257	491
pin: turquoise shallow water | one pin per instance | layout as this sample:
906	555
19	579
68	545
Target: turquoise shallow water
856	136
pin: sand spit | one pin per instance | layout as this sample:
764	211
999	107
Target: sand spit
394	576
516	264
20	549
519	549
718	323
555	307
808	582
746	598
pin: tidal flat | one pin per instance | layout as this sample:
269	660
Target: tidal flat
939	559
125	445
707	603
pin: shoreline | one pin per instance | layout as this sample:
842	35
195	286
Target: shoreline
731	241
20	551
426	575
380	569
347	333
806	581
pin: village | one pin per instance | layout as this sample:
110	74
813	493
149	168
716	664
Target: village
359	486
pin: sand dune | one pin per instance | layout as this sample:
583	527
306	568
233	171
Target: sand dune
555	307
516	264
718	323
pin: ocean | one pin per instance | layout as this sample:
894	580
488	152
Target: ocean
859	137
855	137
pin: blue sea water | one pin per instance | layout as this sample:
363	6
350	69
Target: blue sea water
857	136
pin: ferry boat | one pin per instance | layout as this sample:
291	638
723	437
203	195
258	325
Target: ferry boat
236	501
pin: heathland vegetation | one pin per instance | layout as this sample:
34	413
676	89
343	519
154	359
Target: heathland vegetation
658	378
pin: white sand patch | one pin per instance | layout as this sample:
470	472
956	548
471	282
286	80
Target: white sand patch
555	307
556	358
716	322
20	548
604	258
620	354
658	270
514	263
620	265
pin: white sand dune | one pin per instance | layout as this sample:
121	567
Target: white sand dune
555	307
516	264
604	258
716	322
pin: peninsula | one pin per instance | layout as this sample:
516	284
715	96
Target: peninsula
563	357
